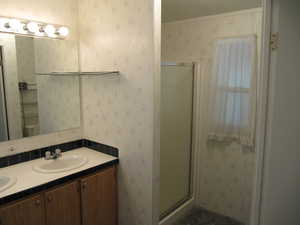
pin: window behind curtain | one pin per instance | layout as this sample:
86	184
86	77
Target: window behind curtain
233	91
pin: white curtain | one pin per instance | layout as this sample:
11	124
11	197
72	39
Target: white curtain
233	91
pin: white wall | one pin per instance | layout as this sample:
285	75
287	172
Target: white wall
118	35
225	174
51	11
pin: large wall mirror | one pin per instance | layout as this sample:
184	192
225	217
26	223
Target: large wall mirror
33	99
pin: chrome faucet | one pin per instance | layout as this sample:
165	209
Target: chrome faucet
55	155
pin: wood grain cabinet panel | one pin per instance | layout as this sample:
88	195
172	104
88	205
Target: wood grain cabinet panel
99	198
87	201
25	212
63	205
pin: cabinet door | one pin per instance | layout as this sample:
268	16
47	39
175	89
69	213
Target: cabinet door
26	212
99	198
63	205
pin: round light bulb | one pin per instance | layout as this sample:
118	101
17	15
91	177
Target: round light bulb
16	25
33	27
63	31
50	30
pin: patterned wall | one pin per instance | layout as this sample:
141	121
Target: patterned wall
115	111
225	172
26	73
52	11
58	103
61	94
55	55
118	35
25	59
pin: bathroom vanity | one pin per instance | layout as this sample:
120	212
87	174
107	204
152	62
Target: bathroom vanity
88	200
86	195
40	95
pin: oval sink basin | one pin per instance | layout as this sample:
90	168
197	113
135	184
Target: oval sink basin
62	164
6	182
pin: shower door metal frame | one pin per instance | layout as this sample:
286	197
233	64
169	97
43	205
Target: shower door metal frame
3	93
192	144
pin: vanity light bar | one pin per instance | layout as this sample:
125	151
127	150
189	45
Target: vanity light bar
32	28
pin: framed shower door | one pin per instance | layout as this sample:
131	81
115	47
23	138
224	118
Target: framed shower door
3	113
177	93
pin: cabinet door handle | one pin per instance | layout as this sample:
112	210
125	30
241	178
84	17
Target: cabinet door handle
37	202
49	198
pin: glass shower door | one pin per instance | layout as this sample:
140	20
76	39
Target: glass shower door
177	87
3	121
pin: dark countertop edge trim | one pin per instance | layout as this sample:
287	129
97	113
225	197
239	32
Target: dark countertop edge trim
66	146
107	149
42	187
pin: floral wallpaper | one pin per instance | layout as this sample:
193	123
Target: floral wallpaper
116	111
25	59
60	109
224	172
26	73
118	35
55	55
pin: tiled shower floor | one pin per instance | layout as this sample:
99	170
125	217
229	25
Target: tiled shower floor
205	217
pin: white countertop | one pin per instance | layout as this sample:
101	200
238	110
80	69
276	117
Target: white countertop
27	178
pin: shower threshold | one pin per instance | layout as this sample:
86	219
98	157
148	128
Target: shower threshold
202	216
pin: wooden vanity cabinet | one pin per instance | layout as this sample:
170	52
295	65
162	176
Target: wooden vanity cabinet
63	205
99	198
30	211
90	200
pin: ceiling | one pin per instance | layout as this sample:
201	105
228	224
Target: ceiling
185	9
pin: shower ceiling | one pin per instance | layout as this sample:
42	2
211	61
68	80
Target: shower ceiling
184	9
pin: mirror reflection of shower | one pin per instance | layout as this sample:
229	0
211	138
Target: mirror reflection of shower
4	133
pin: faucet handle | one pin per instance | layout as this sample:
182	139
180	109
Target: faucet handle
58	152
47	155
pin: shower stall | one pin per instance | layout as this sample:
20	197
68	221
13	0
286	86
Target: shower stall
177	97
3	121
